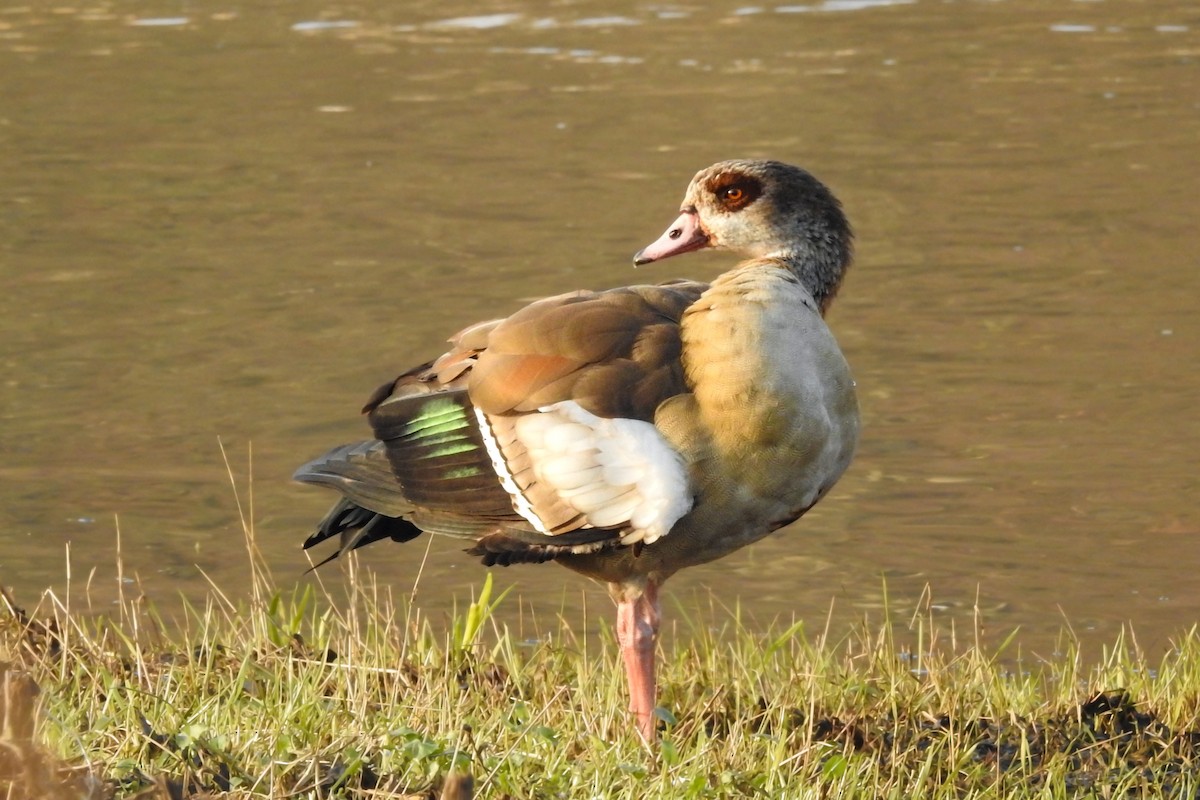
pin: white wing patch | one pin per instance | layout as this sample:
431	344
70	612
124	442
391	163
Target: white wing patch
615	472
506	479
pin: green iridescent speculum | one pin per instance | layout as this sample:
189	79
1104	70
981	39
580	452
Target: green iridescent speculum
442	429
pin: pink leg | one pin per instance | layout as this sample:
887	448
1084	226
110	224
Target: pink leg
637	632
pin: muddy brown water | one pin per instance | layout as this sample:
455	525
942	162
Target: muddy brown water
229	224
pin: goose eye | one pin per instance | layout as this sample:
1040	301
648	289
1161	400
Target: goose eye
735	192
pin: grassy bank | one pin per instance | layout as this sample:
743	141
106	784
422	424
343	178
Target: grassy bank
286	696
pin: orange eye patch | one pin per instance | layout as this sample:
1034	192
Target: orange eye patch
735	191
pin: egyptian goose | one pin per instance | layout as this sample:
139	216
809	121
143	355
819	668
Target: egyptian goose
627	433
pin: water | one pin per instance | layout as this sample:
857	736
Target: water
229	224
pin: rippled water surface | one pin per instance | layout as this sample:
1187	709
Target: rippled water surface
230	223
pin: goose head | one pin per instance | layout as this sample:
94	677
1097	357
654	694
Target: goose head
763	210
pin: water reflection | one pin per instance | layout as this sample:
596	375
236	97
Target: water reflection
478	23
158	22
324	25
841	5
186	254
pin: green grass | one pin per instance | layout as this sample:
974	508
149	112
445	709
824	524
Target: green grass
291	694
287	696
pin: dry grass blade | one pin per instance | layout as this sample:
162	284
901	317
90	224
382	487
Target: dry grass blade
27	772
301	693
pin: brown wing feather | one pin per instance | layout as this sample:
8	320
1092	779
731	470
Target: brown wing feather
615	353
622	345
501	382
